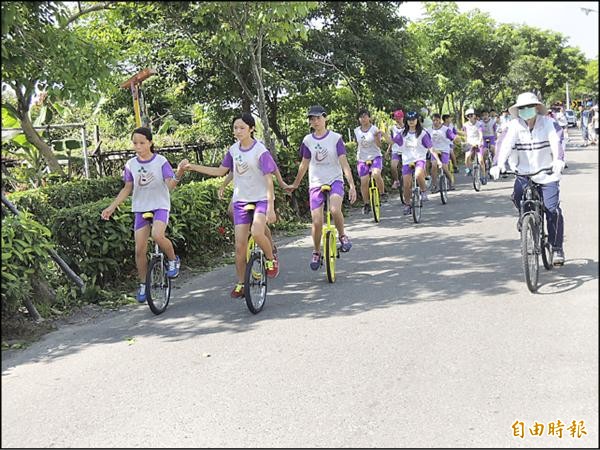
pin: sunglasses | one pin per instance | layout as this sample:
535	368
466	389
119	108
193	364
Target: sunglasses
526	106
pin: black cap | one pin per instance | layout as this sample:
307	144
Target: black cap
411	115
316	110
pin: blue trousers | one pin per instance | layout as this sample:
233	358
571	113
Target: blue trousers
555	222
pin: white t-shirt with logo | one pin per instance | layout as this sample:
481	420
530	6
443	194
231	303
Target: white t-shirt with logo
324	154
367	147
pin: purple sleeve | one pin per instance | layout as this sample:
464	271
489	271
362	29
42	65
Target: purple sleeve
340	147
305	152
127	175
450	135
227	161
427	141
267	163
167	171
398	139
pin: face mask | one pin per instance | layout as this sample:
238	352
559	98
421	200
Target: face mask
527	113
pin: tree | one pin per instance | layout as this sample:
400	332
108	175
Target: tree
41	51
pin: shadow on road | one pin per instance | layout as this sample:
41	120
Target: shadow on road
412	264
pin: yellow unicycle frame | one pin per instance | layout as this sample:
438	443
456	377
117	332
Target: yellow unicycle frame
329	238
374	194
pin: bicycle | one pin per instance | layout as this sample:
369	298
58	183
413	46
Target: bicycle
476	169
531	224
374	194
443	186
255	278
330	248
158	284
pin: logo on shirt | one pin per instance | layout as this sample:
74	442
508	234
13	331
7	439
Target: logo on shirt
241	166
321	153
144	177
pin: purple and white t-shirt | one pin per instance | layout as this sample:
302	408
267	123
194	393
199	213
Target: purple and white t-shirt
415	148
150	191
249	167
396	149
488	128
474	133
367	148
441	138
324	154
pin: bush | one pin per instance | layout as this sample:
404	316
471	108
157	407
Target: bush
25	251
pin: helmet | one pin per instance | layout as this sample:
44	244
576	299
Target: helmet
469	111
412	115
316	110
398	114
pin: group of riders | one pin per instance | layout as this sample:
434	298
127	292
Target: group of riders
524	138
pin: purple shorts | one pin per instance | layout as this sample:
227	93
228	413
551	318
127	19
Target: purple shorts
317	197
363	169
492	140
396	157
242	217
444	157
407	170
474	149
159	214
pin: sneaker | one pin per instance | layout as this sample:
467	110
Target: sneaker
346	244
173	270
238	291
396	184
384	197
483	180
407	210
451	187
141	293
366	209
424	197
455	169
272	267
467	171
559	257
434	190
315	262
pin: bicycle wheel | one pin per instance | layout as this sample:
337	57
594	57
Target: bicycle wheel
529	253
547	255
375	205
255	287
416	204
158	286
443	188
330	255
476	178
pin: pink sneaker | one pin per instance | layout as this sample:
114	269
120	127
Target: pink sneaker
396	184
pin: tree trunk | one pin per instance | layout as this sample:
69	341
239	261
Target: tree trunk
22	112
272	113
262	105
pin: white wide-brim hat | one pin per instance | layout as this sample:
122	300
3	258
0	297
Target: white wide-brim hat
524	99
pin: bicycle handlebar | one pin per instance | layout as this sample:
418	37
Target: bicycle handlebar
548	170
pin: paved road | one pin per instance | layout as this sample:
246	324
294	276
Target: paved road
429	338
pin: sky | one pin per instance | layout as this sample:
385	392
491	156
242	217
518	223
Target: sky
564	17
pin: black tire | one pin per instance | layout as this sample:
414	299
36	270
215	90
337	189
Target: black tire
255	283
443	182
330	255
477	178
416	204
375	204
158	286
547	255
529	253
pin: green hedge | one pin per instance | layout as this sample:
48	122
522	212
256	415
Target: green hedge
43	203
25	246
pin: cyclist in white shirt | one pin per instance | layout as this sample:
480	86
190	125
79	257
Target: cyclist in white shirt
368	139
396	151
531	143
